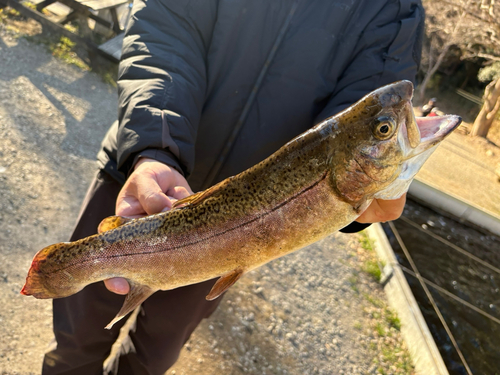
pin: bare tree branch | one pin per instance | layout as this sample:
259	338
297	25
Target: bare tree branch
491	20
472	55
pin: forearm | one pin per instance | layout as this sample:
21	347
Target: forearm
162	82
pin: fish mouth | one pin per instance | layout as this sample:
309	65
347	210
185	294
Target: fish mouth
431	131
437	127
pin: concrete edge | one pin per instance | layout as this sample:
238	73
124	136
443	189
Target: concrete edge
421	344
454	205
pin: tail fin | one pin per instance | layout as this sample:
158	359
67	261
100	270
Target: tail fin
40	282
34	285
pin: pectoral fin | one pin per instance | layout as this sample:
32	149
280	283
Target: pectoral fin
223	284
112	222
137	295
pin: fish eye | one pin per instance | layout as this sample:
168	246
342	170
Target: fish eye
384	127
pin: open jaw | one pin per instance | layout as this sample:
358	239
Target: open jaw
434	129
423	133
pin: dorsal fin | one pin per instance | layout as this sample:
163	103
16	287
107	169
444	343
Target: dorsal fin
200	196
112	222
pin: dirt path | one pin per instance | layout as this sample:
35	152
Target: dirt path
314	312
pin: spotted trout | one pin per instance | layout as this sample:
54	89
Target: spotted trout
317	183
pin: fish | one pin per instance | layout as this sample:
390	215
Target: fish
314	185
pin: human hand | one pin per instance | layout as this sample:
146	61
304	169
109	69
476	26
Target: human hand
153	187
383	210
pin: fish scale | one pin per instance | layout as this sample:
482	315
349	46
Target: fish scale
314	185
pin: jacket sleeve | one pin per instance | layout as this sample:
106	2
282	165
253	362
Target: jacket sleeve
162	81
387	50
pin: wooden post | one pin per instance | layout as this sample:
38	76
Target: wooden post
491	106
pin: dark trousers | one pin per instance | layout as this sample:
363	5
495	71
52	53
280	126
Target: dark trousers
167	321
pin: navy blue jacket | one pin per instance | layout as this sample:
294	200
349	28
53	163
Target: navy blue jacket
189	68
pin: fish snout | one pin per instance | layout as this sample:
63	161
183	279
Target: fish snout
397	93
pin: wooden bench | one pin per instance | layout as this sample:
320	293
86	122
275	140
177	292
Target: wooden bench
89	8
81	8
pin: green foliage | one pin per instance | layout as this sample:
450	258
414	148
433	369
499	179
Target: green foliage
12	12
373	300
71	27
109	78
8	12
392	319
353	281
490	72
380	329
63	50
366	242
65	45
382	324
371	267
29	4
371	264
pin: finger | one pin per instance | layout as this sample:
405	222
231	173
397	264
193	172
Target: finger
151	197
171	179
127	203
129	207
172	200
178	192
117	285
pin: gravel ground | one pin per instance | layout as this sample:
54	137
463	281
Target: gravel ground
314	312
52	117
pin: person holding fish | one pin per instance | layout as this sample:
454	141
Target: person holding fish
208	89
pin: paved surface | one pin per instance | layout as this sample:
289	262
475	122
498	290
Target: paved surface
465	168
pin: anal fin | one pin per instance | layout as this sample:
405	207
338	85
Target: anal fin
224	283
138	294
